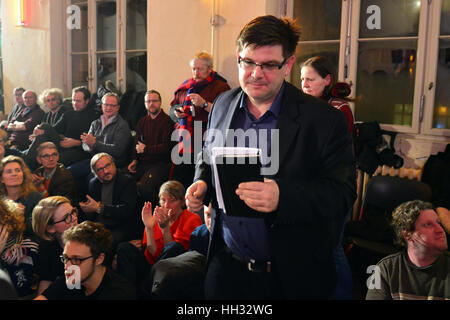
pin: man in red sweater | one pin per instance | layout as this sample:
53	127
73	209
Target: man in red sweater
151	156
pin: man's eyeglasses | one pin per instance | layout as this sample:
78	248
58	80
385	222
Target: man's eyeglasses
48	156
68	218
249	65
73	261
110	105
101	169
51	100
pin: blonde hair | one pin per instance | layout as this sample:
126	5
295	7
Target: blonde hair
27	183
11	216
173	188
43	214
205	56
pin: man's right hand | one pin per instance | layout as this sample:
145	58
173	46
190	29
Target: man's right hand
195	195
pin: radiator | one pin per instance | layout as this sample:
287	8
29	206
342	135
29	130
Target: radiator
402	172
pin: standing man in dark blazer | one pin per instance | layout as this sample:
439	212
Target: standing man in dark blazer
288	252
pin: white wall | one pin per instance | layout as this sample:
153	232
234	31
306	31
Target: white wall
179	29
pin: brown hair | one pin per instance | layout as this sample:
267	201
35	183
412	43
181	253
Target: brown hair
92	234
11	216
269	31
405	216
27	183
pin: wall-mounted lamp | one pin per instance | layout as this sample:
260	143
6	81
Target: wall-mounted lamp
23	17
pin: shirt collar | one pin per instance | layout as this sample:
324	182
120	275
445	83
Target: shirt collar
275	108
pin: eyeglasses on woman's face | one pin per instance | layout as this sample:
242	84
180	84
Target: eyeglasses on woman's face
68	217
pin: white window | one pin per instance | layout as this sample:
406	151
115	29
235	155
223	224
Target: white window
395	55
110	43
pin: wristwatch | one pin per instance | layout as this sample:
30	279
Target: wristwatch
205	105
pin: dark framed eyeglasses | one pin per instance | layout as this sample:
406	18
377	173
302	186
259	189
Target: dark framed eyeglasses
250	65
73	261
48	156
68	218
101	169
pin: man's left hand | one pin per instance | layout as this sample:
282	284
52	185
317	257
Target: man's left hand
260	196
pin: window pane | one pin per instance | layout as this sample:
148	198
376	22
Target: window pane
136	24
106	25
385	81
445	17
80	36
441	118
80	70
306	51
106	68
381	18
136	71
319	19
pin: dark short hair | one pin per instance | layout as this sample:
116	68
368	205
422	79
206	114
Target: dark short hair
323	67
155	92
269	31
85	90
92	234
405	216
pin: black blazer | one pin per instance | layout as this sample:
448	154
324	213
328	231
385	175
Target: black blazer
317	182
122	213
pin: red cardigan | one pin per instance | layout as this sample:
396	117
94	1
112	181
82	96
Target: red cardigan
181	231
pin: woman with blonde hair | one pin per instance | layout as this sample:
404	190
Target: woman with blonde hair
16	183
18	253
51	217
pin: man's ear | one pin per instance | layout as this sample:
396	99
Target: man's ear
38	159
100	259
406	235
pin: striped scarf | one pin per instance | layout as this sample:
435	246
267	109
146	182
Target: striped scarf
17	249
186	123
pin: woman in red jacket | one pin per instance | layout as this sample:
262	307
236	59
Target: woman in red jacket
318	79
167	233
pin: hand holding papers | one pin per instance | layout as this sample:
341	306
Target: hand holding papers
233	166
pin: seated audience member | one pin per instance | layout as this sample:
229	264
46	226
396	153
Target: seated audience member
53	99
6	151
52	178
16	109
182	277
87	254
51	217
151	156
18	253
22	125
16	183
111	199
71	126
422	271
110	133
200	236
192	102
319	79
166	234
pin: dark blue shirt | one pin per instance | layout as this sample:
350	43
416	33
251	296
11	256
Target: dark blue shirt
247	237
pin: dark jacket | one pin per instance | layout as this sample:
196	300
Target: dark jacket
61	184
317	184
122	213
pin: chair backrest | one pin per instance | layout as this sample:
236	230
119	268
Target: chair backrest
386	192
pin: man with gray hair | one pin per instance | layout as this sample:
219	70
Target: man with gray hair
22	125
422	271
111	199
